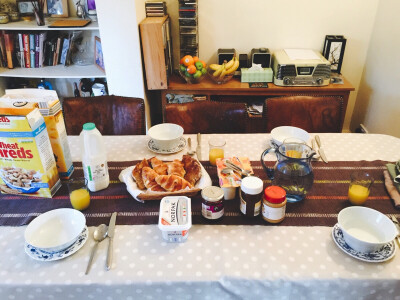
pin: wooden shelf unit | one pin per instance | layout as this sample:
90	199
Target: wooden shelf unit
240	90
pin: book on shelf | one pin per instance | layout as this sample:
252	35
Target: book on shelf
27	55
37	50
3	51
32	49
42	38
9	45
21	54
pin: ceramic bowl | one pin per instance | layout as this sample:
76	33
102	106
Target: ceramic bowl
166	136
55	230
279	134
364	229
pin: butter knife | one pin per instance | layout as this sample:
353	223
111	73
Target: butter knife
320	150
110	234
198	148
398	230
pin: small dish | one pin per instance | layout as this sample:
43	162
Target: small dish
166	135
385	253
154	148
55	230
38	254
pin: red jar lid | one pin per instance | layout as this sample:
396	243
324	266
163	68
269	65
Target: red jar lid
275	194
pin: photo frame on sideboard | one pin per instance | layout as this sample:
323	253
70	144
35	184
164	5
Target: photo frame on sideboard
57	8
98	53
334	51
25	7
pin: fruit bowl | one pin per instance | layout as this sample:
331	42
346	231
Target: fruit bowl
190	79
219	79
192	69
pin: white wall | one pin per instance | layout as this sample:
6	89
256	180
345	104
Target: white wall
378	102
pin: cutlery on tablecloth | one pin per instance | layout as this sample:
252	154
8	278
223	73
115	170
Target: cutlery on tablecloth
190	151
110	234
198	148
314	147
398	230
100	233
320	149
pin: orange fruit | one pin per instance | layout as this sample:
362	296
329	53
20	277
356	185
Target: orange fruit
188	60
195	59
191	69
181	61
204	64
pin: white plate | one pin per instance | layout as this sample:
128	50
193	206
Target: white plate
41	255
384	254
152	147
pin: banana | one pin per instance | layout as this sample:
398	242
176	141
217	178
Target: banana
234	67
218	72
214	67
230	63
223	73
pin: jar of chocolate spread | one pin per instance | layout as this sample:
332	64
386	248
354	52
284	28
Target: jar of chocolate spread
251	190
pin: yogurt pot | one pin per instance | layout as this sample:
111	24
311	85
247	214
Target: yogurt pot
175	218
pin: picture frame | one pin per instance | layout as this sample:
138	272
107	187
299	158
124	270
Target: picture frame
98	54
57	8
25	8
334	47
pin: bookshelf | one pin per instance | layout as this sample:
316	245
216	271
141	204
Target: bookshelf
63	75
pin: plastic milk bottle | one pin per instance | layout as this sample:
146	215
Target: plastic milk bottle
94	158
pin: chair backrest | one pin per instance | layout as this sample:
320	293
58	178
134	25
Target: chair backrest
208	116
113	115
311	113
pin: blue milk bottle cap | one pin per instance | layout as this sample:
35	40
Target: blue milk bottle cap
89	126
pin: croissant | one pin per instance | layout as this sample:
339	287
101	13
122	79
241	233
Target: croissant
149	176
192	168
172	183
158	166
175	167
137	173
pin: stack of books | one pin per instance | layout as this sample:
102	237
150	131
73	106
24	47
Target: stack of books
155	9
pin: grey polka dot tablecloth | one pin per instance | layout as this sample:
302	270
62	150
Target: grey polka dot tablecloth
216	262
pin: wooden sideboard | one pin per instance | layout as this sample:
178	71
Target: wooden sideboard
235	90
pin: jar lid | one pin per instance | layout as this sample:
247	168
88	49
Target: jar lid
252	185
275	194
212	193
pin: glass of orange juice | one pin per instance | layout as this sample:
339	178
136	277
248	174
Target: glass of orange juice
79	193
216	146
360	183
294	147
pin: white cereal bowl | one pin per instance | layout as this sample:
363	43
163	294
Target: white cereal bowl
166	136
55	230
366	230
279	134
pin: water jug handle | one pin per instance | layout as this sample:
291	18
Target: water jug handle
269	171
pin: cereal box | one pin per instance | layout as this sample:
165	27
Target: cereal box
27	164
25	100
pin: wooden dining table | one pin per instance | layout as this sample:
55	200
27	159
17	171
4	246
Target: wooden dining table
261	261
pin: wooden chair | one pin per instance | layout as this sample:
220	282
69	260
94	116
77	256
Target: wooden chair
208	116
311	113
113	115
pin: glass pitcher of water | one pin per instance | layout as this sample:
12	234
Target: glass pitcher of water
292	171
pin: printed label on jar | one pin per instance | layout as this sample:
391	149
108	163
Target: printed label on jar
273	213
212	212
95	172
243	205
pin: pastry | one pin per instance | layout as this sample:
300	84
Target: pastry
172	183
158	166
175	167
137	173
192	168
149	176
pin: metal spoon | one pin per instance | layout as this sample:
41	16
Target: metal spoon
237	168
190	151
100	233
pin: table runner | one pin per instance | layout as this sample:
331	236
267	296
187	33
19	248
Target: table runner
320	208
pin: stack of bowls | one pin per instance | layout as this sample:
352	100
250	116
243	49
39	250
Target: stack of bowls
56	230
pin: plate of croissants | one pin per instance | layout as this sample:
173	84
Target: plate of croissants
153	179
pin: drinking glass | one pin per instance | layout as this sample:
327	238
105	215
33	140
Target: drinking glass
294	147
360	183
216	146
79	193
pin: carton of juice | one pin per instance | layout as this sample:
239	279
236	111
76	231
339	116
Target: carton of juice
25	100
27	164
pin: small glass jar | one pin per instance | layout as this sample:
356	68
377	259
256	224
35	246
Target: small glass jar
251	190
274	204
212	206
216	149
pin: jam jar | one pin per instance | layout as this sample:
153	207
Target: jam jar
251	190
274	204
212	206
